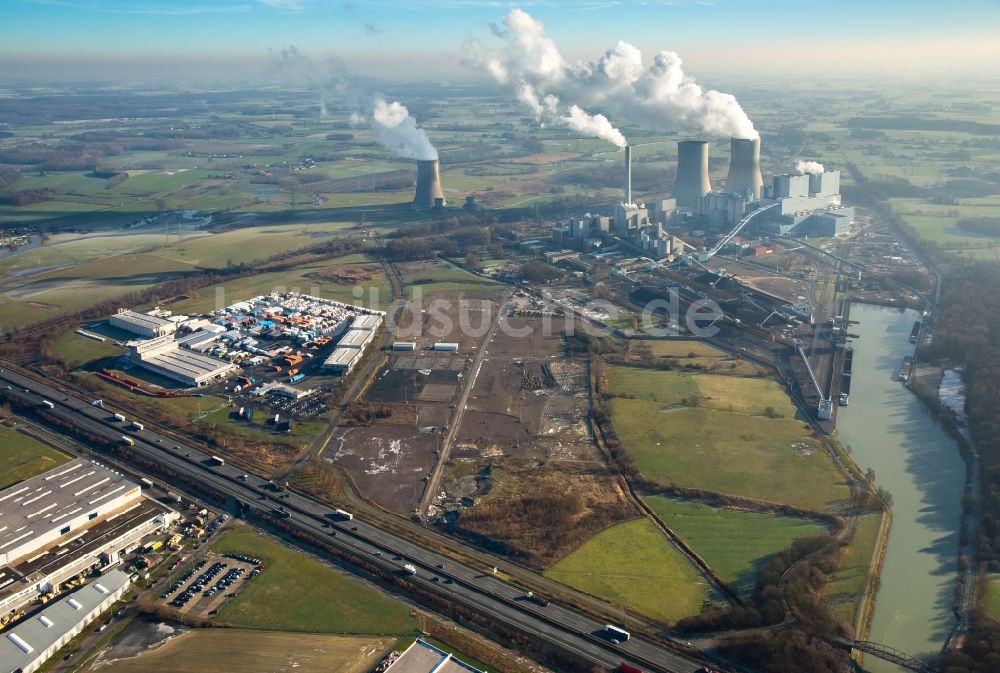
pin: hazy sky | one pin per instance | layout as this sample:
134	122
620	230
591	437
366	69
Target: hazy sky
179	39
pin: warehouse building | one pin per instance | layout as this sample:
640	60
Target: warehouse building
342	360
164	357
422	657
27	646
63	523
142	324
370	322
355	338
37	511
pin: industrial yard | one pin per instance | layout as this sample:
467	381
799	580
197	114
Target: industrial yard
301	376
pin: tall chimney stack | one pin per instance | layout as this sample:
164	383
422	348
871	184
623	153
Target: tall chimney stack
628	174
692	172
428	192
744	167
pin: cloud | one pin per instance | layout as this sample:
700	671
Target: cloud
659	96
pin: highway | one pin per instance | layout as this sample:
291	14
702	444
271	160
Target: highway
487	595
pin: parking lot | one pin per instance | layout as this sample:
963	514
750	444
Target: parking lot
204	589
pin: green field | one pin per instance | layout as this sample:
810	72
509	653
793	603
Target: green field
374	292
23	457
775	460
712	391
735	544
78	350
992	598
298	593
633	565
844	589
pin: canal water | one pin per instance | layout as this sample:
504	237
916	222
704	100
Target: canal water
889	431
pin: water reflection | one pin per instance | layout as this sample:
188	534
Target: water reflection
889	430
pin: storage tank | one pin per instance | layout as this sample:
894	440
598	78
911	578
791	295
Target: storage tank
692	172
744	167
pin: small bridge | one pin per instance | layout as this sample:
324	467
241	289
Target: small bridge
887	653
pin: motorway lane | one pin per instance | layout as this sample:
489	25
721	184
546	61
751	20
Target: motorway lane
565	627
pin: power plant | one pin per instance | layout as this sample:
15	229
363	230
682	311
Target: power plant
628	174
691	182
744	168
428	193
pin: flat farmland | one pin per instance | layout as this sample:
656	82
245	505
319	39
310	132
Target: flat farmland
298	593
776	460
734	543
226	650
633	565
755	396
23	457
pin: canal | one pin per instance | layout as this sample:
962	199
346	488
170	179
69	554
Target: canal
888	430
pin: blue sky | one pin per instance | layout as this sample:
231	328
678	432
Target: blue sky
423	37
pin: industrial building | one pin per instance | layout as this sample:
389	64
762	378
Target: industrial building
342	360
142	324
65	522
422	657
163	356
808	204
27	646
370	322
355	338
37	511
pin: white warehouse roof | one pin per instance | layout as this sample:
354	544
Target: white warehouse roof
27	645
355	338
33	511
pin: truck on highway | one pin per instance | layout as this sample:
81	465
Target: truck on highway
615	634
136	425
409	569
46	403
280	513
119	418
97	403
128	440
147	482
342	515
217	460
536	599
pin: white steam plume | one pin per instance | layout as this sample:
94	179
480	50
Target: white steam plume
398	131
660	96
597	126
812	167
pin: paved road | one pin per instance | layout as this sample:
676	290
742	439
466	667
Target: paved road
486	594
463	399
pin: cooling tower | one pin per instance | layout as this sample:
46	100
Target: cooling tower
692	172
628	174
744	167
428	191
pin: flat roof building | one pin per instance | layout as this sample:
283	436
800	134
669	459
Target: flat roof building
342	360
369	322
37	511
355	338
422	657
163	356
141	324
28	645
